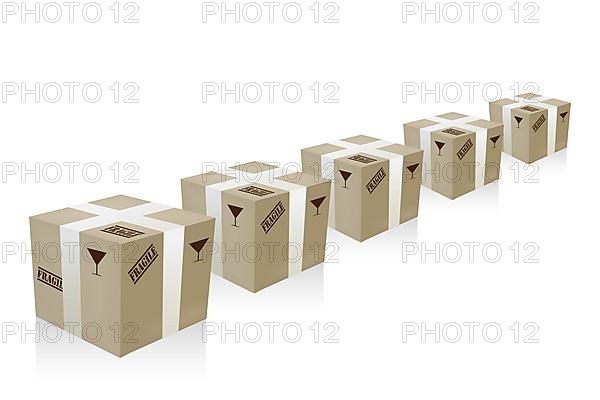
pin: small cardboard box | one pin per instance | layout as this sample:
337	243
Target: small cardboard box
534	126
269	225
121	272
462	153
376	183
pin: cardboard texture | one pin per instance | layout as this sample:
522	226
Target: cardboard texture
376	183
121	272
534	126
461	153
270	225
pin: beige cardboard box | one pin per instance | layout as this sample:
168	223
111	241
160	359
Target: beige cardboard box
270	225
121	272
462	153
376	183
534	126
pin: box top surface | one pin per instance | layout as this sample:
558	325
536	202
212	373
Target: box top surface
119	202
180	217
302	179
209	178
401	149
452	116
69	215
360	139
255	192
483	123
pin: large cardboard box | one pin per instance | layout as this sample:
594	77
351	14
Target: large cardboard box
376	183
121	272
462	153
269	225
534	126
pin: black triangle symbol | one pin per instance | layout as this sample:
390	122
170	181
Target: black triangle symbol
440	146
563	115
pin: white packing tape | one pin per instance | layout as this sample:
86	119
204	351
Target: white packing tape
297	214
461	123
172	258
536	102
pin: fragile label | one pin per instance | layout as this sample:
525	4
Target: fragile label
143	264
118	230
362	159
465	149
50	279
256	191
273	217
538	124
377	179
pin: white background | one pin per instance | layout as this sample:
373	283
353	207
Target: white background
366	289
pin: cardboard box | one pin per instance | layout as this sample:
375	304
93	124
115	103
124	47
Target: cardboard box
376	183
121	272
462	153
534	126
270	225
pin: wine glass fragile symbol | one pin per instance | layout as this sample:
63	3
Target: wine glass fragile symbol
440	146
563	115
412	169
495	140
518	119
97	256
235	211
317	203
346	175
198	246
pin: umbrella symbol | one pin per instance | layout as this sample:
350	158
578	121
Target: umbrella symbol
198	246
346	175
236	211
440	146
317	203
412	169
563	115
495	140
97	256
519	119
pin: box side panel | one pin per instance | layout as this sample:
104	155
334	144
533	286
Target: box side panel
375	194
315	226
47	271
193	196
412	177
197	261
494	146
